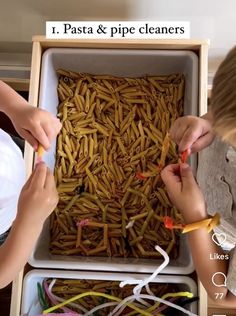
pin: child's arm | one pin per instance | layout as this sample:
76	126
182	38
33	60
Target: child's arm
33	124
187	197
193	132
37	200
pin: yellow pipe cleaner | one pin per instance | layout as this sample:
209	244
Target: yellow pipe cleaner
208	223
110	297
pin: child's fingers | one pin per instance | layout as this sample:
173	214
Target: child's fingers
28	182
176	131
202	142
49	130
39	176
190	136
29	138
179	134
171	176
187	177
57	124
50	186
52	128
172	168
49	181
39	133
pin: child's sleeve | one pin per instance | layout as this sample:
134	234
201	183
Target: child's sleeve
231	276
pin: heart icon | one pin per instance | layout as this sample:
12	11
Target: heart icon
219	239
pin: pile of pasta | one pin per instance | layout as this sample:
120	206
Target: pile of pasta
110	151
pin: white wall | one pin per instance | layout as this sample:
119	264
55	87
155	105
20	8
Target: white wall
213	19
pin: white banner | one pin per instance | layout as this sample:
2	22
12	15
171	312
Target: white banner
118	30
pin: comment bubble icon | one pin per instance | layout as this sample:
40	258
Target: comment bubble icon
217	279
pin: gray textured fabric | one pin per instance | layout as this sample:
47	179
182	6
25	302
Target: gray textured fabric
217	178
231	276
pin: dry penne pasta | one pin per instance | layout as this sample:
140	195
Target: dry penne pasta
112	146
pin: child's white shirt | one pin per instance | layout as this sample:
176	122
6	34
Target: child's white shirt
12	179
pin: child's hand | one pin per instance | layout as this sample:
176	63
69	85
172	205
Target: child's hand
38	197
35	125
184	192
190	132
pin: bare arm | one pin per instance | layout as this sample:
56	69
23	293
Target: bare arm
16	250
9	99
37	200
187	197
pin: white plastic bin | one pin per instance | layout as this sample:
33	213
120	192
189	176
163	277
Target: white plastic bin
30	297
119	62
